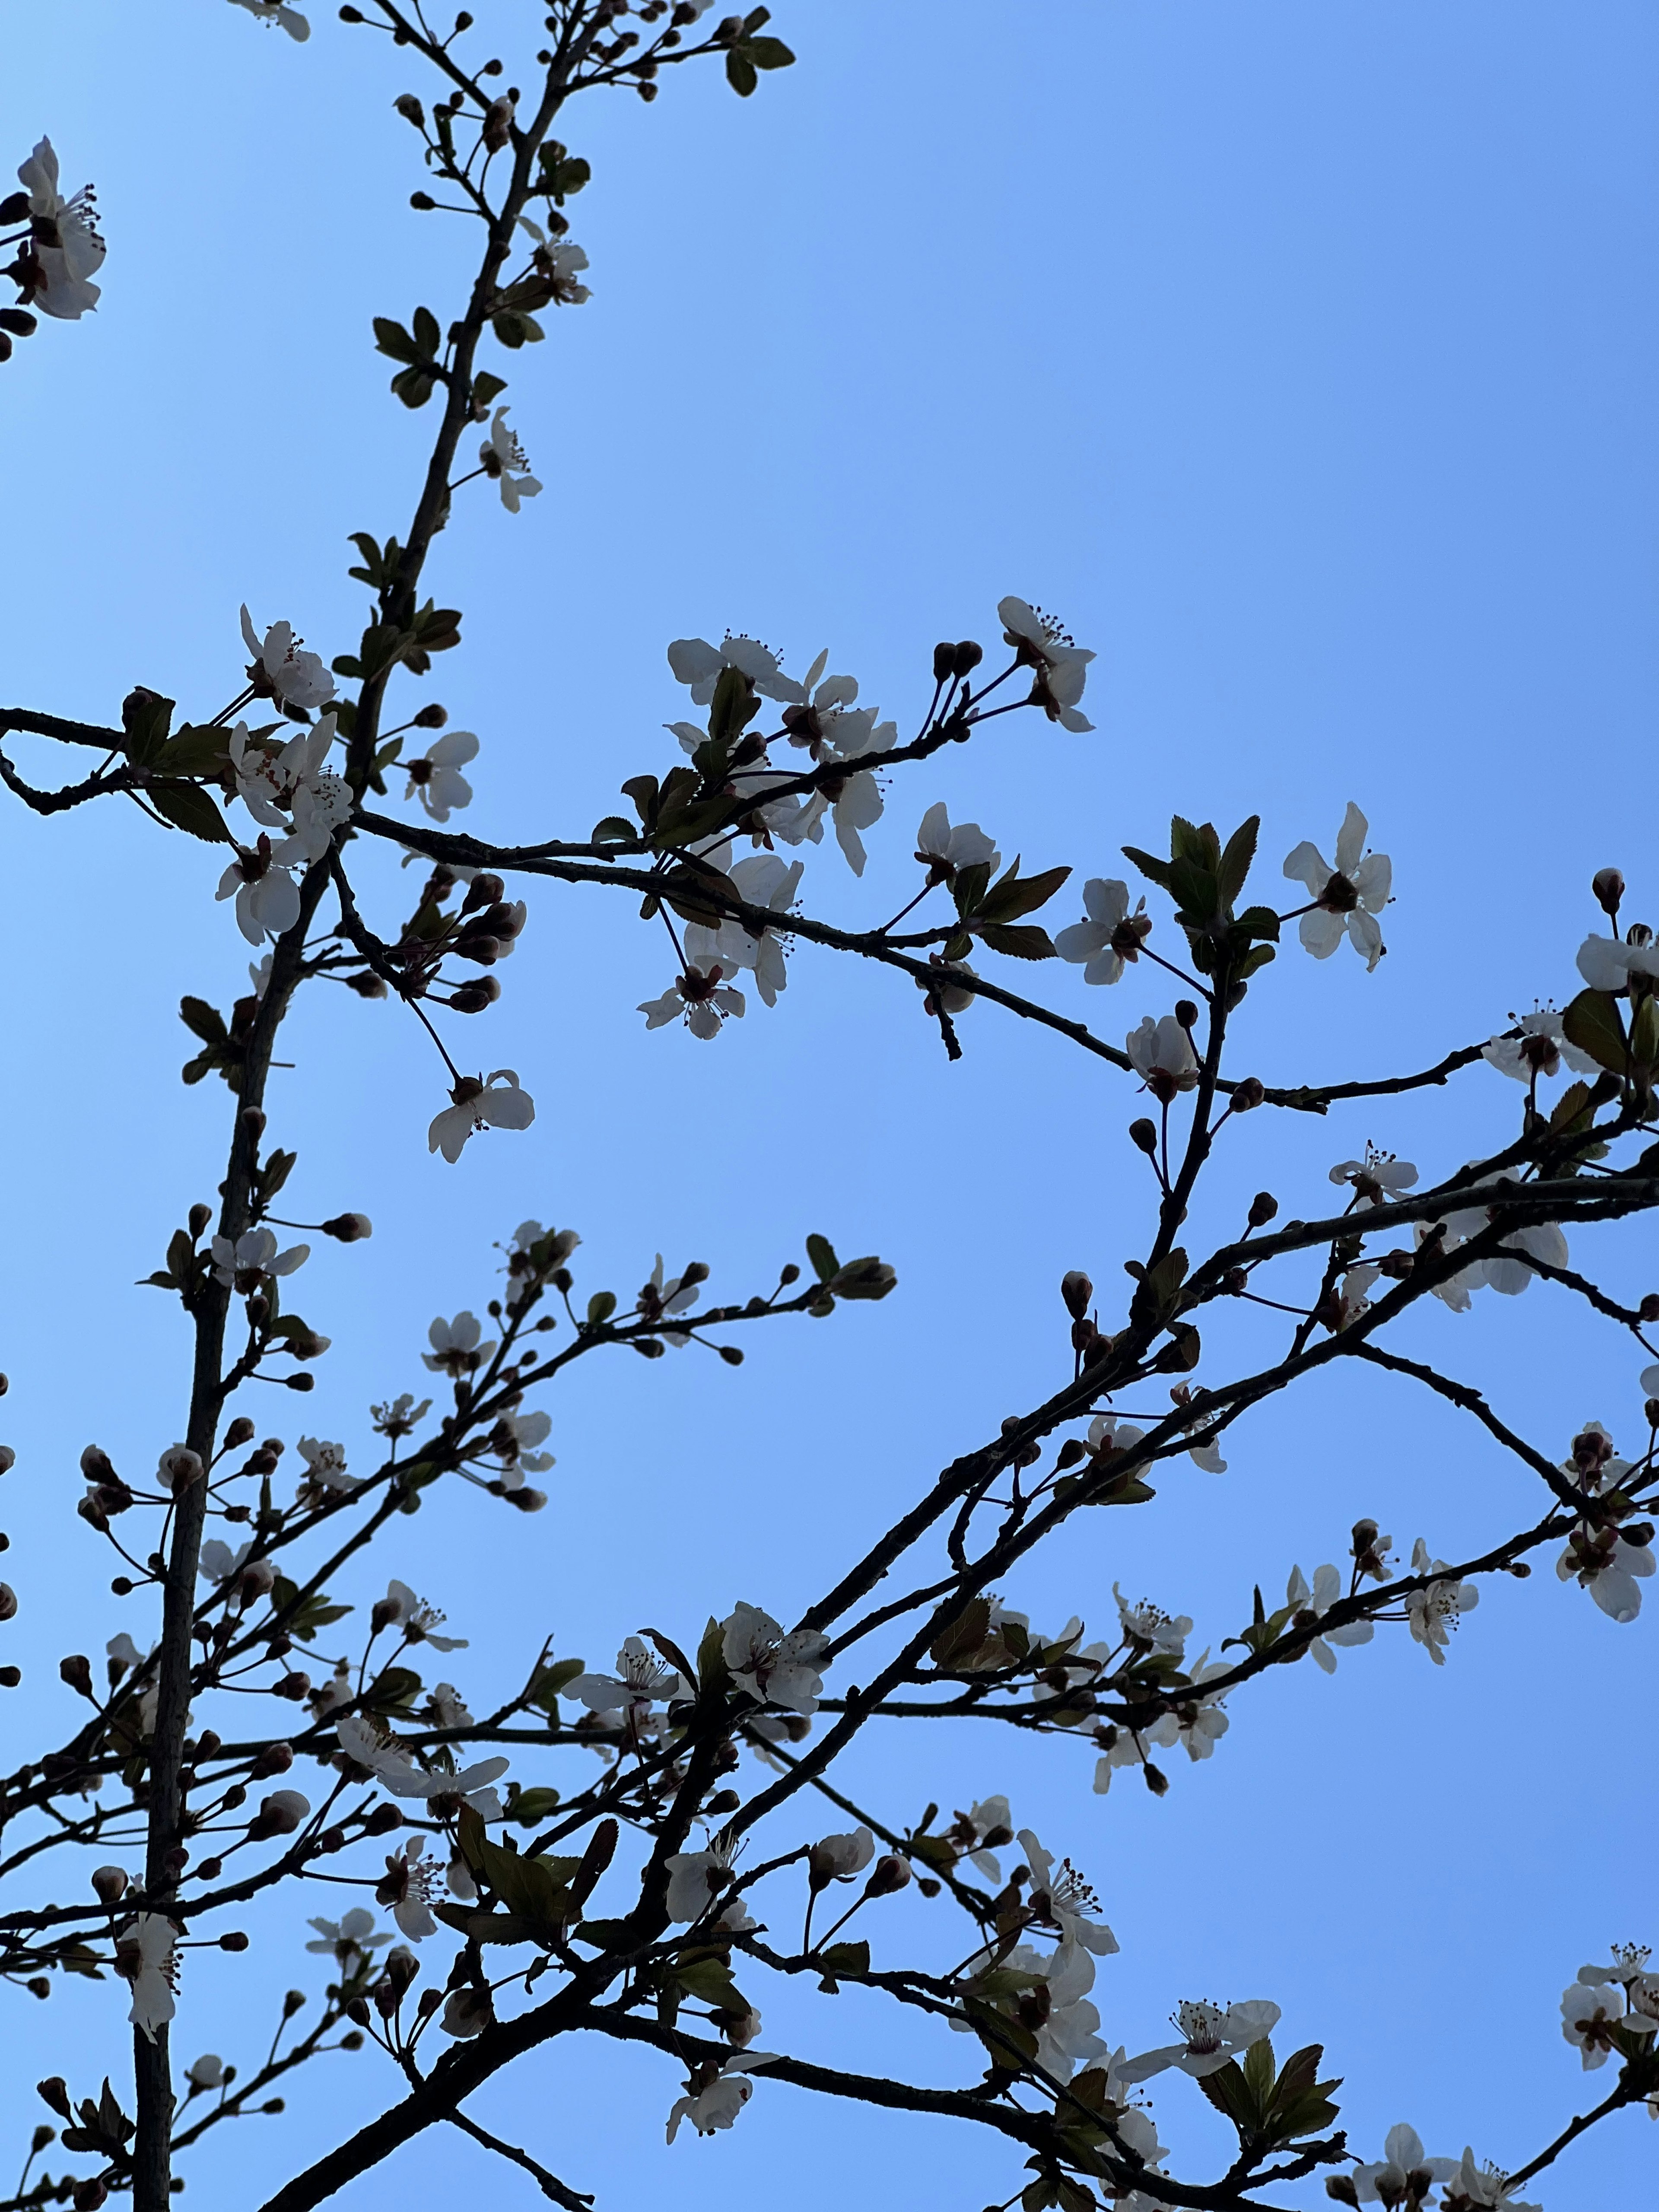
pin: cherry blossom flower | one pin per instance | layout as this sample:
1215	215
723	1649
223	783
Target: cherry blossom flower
559	263
1060	667
1153	1630
1379	1176
840	1857
989	1821
1539	1050
66	250
1607	1562
1607	963
852	800
1211	2035
503	457
292	779
466	2012
206	2072
402	1778
349	1939
1354	1293
762	880
217	1562
1110	937
640	1681
448	1707
327	1465
774	1668
1507	1270
1201	1724
435	778
943	850
1065	2033
1482	2189
518	1434
717	2103
1061	1897
1161	1052
408	1884
455	1348
1589	2011
1318	1601
1433	1613
401	1609
146	1956
1402	2172
271	11
494	1101
696	1878
1348	897
298	679
702	995
698	664
254	1256
267	897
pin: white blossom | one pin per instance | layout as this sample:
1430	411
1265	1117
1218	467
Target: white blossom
1211	2035
448	1707
293	779
702	995
1111	935
1485	2187
206	2072
408	1884
66	249
326	1464
1607	963
718	2103
774	1668
402	1778
1162	1048
455	1346
349	1939
494	1101
1401	2168
1378	1176
762	880
1433	1613
1609	1562
435	778
1060	1897
503	457
1059	666
640	1681
1348	897
1200	1723
987	1817
698	664
255	1253
146	1956
1147	1624
1066	2036
840	1857
267	897
696	1878
401	1609
1588	2010
1325	1590
298	679
942	849
272	11
1539	1050
853	799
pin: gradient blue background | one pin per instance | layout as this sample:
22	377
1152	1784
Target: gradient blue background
1302	356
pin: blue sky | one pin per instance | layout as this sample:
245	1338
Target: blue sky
1301	356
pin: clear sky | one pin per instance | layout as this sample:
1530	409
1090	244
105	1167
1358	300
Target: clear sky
1302	356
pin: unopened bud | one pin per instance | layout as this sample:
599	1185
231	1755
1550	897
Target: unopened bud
498	125
279	1815
235	1940
383	1820
1186	1013
8	1601
88	2195
110	1882
95	1465
1608	886
1263	1207
968	656
369	986
42	2136
349	1227
1143	1134
1157	1780
76	1671
411	109
1070	1452
889	1874
1248	1094
275	1758
1078	1292
1339	2186
1649	1307
484	890
432	717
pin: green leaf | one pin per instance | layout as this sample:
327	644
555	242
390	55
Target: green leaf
428	337
527	1807
193	749
551	1679
1591	1022
394	340
709	1979
969	886
740	73
1021	941
1154	869
188	806
203	1020
844	1958
145	716
1198	844
1644	1033
486	387
613	830
713	1673
1016	895
600	1307
1572	1108
394	1690
414	386
822	1253
1258	921
735	704
965	1635
1235	864
513	328
769	53
1261	2068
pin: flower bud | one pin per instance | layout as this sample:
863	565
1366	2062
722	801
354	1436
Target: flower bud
275	1758
411	109
55	2090
8	1601
889	1874
1186	1013
349	1227
1143	1134
367	986
7	1459
88	2195
279	1815
42	2136
9	1676
110	1882
240	1432
95	1465
1608	886
1078	1292
1156	1779
1248	1094
1263	1207
945	662
1339	2186
968	656
383	1820
76	1671
200	1215
179	1467
497	131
